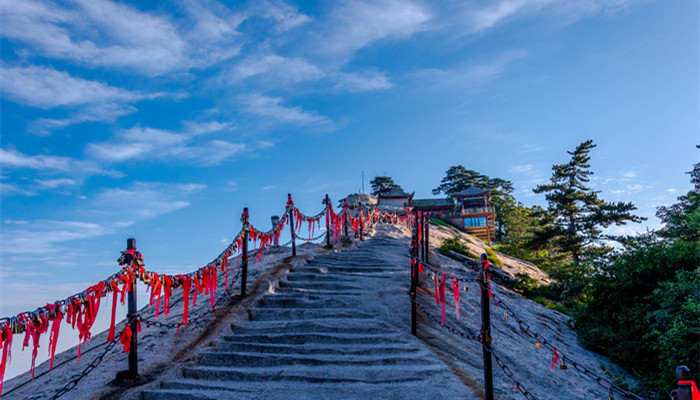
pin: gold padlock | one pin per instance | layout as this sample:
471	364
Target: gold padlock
562	364
538	345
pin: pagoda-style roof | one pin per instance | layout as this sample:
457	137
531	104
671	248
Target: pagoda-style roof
397	193
472	191
420	203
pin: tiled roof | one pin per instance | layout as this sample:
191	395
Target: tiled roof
472	191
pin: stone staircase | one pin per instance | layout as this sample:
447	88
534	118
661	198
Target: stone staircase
330	331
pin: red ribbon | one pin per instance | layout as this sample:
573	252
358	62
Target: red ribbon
694	389
224	267
555	358
186	286
6	344
125	339
53	337
156	289
34	331
455	293
442	297
167	292
115	291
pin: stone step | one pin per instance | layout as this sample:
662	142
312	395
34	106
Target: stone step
321	292
316	348
317	338
308	301
339	325
285	314
192	388
252	359
320	285
315	373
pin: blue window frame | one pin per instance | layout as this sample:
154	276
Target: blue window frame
472	222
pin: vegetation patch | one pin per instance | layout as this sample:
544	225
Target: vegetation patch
493	258
456	245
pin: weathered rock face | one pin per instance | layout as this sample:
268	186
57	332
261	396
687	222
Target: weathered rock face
338	326
511	265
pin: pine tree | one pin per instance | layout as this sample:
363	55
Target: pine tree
383	185
572	221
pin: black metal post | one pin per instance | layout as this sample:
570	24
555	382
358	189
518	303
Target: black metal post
133	351
291	224
486	329
345	217
275	221
244	252
427	239
327	202
414	281
362	223
685	388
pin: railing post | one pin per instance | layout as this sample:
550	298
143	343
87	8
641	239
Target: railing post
414	278
327	202
290	204
275	221
685	385
362	222
132	311
244	251
427	238
486	328
345	217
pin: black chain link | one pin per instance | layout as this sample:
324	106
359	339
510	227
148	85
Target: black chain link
507	371
525	329
91	367
311	239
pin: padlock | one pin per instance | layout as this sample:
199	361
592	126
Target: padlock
562	364
505	315
538	345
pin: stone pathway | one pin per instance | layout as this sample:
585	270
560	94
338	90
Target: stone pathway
336	328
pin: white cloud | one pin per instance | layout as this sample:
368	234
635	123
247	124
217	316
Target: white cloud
15	159
143	200
8	188
97	33
530	148
362	81
357	24
479	17
47	88
638	188
54	183
268	187
272	107
110	210
40	236
285	16
277	68
472	73
672	190
149	143
104	33
526	169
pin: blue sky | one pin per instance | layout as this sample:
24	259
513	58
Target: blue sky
162	121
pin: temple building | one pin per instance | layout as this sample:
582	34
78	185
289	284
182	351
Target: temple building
470	210
395	198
